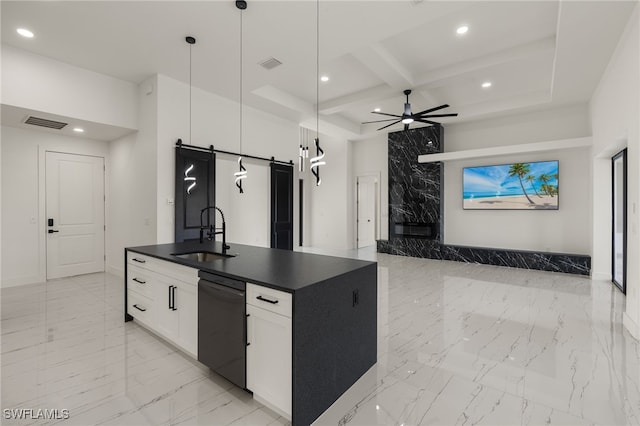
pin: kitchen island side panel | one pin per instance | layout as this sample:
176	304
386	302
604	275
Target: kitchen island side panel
334	339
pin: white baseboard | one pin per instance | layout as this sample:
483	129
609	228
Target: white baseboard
631	326
18	281
118	272
604	276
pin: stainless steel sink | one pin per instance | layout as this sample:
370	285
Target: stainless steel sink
202	256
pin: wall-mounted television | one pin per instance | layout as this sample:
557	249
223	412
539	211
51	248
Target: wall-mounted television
516	186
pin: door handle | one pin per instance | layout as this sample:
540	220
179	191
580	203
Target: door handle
51	231
173	291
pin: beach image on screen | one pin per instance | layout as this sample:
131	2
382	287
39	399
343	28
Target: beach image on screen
519	186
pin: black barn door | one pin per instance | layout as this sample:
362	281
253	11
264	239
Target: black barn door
281	206
195	190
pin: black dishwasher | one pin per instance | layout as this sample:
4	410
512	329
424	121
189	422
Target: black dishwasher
222	326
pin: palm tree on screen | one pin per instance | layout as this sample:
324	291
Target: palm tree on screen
546	187
521	170
531	179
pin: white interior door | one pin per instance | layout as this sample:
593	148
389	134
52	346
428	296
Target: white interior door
75	214
366	210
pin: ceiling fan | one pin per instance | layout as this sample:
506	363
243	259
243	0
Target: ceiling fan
408	117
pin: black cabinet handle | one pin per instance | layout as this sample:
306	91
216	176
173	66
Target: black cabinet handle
139	260
139	281
273	302
51	231
173	291
139	308
170	304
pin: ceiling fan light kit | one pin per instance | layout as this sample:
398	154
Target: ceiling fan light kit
409	117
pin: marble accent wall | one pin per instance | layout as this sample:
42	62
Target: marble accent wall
552	262
415	190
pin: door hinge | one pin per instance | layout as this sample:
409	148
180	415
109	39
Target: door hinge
105	227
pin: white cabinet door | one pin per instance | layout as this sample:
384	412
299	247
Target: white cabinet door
186	302
269	358
167	315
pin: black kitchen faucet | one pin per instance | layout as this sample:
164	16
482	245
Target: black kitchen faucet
212	232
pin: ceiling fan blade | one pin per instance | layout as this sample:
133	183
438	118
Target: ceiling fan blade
378	121
384	113
406	127
438	115
426	111
420	120
388	125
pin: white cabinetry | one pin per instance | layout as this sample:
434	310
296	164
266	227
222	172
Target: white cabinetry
163	296
269	347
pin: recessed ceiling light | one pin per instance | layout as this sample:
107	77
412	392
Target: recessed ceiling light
462	30
25	32
376	110
324	78
78	129
486	84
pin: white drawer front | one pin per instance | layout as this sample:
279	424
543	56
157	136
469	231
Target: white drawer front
269	299
180	272
139	280
137	259
140	307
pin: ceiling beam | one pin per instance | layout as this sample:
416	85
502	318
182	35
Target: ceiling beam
440	76
356	99
383	64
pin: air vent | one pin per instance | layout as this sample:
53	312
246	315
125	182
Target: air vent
270	63
43	122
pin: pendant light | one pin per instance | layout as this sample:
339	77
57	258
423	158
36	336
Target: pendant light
190	180
316	161
241	174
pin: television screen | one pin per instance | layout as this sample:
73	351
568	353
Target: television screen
517	186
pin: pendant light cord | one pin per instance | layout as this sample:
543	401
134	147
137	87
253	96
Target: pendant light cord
190	88
318	69
240	82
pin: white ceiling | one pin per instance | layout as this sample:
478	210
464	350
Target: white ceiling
537	54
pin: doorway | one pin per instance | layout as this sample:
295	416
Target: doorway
281	206
366	206
619	222
74	206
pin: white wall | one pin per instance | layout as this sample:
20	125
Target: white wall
566	230
35	82
615	120
370	156
23	215
132	212
215	121
328	210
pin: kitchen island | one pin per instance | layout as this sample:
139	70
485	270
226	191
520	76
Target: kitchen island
320	316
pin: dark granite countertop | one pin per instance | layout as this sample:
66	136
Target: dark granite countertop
280	269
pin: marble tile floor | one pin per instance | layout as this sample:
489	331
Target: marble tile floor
458	344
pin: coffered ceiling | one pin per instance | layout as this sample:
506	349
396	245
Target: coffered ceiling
536	54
